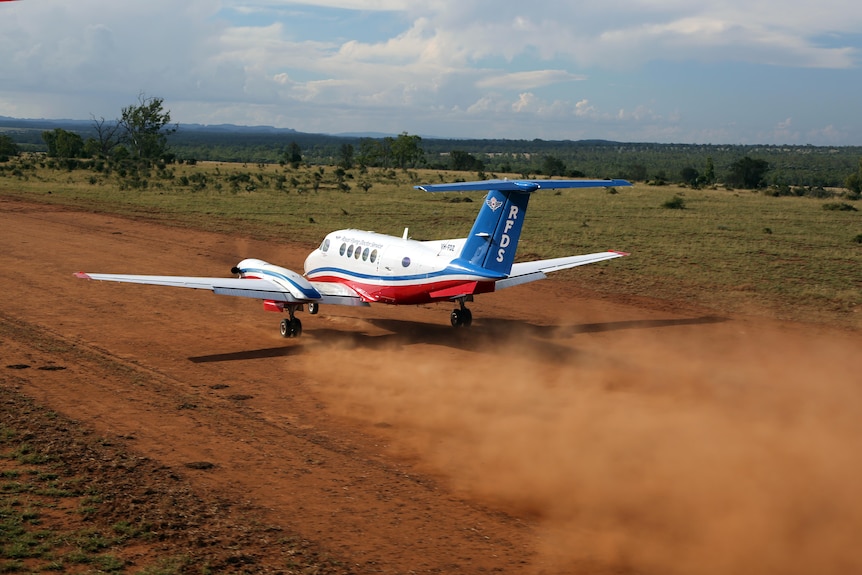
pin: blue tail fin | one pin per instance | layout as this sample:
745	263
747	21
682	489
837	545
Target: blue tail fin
497	228
494	238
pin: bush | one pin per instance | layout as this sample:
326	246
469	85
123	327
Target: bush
840	207
675	203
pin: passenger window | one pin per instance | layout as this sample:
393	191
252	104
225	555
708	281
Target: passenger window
405	262
350	251
373	256
342	248
358	252
325	245
365	255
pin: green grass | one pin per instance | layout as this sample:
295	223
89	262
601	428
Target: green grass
726	250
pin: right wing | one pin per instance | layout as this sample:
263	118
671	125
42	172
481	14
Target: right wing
251	288
286	288
526	272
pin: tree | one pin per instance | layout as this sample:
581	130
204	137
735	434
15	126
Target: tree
293	155
8	148
345	156
464	162
108	136
63	144
553	166
407	151
690	176
369	152
709	177
854	181
144	127
748	173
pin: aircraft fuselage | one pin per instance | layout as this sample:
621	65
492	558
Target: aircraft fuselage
393	270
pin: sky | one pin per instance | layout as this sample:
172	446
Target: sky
667	71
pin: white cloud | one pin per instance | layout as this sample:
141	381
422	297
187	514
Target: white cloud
466	58
528	80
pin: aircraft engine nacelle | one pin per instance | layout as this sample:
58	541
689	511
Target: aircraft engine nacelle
295	284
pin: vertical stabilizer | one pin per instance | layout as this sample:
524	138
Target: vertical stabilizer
494	238
497	229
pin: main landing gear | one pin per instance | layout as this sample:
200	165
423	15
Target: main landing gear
461	316
291	327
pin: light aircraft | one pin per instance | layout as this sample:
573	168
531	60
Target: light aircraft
357	268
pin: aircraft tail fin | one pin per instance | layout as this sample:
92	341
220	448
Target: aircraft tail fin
494	238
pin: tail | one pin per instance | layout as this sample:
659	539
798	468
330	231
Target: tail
494	238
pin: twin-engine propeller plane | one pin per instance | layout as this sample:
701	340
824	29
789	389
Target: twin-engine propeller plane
357	268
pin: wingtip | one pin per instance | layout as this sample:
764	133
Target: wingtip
83	276
619	253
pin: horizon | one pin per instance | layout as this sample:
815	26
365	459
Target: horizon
737	73
378	135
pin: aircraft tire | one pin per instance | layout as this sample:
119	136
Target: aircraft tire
461	317
290	328
313	308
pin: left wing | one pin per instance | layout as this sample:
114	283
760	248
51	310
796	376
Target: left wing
251	288
532	271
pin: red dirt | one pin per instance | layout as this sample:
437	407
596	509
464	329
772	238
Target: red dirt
564	432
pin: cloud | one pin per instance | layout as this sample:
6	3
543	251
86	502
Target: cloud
397	60
528	80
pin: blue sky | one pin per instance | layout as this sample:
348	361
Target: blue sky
735	71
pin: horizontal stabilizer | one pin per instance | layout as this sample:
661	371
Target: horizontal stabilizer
521	185
526	272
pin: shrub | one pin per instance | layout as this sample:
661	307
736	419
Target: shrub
840	207
675	203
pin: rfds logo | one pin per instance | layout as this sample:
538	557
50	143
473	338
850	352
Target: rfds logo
505	240
494	204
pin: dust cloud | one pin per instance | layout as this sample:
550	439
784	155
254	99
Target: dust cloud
696	448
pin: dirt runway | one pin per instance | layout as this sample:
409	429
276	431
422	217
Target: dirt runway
564	432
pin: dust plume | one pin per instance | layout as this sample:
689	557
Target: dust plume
692	449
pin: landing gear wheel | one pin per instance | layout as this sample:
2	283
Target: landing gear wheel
291	327
462	317
313	308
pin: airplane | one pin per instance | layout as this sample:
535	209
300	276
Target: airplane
356	268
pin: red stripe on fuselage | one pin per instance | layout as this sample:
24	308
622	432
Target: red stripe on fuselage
409	294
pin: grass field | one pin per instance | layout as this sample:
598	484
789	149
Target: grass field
731	251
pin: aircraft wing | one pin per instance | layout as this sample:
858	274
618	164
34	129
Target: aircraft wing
532	271
251	288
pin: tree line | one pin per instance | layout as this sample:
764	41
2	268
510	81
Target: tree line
141	132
